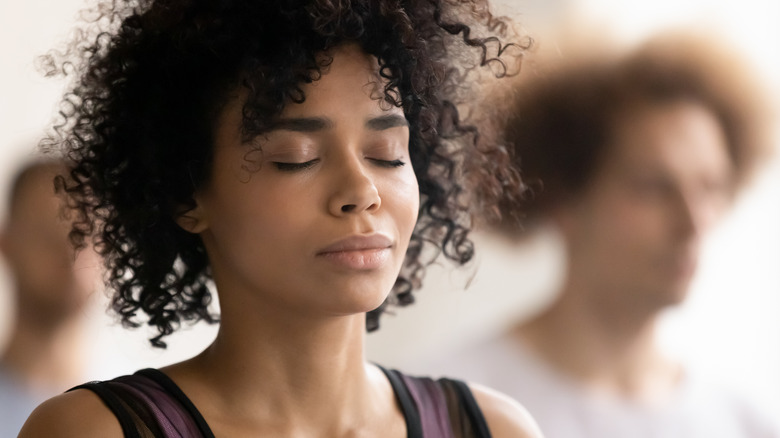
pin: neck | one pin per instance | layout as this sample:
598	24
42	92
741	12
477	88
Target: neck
295	355
284	365
603	347
47	356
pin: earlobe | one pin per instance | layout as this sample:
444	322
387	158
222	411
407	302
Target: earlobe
192	219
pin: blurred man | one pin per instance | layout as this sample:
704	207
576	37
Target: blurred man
633	161
50	289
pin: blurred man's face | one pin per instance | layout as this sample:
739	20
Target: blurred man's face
635	233
50	283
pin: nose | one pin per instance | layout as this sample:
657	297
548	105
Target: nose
354	191
695	215
687	220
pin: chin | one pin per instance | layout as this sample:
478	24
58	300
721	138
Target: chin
676	299
357	302
671	295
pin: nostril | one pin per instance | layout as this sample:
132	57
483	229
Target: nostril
347	208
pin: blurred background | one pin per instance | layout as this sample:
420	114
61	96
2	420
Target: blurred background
728	329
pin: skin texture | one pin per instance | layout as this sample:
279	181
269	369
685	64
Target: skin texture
634	237
293	317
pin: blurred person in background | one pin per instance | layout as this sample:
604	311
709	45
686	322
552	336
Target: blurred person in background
50	288
632	159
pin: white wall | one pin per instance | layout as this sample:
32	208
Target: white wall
730	327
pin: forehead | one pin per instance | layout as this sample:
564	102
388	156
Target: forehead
680	136
351	78
349	90
38	205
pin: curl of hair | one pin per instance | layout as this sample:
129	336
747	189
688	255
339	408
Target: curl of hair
151	77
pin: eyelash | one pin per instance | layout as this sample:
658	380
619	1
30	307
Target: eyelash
388	163
291	167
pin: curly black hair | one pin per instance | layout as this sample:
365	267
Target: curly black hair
137	124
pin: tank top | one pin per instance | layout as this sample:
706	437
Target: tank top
148	404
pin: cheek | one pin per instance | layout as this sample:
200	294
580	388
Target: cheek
273	217
624	226
633	218
404	197
44	259
242	219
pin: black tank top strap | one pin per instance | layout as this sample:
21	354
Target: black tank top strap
173	389
470	407
443	408
148	404
408	406
117	407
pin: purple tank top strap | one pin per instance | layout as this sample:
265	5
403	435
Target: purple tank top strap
432	406
148	404
443	408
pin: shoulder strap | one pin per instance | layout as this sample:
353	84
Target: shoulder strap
169	385
408	406
116	407
149	404
470	406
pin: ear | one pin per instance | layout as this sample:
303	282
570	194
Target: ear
192	219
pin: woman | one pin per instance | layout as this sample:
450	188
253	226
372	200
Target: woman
299	154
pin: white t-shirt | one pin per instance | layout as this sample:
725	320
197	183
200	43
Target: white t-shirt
564	409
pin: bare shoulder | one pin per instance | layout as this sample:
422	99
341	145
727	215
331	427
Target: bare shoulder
79	413
505	417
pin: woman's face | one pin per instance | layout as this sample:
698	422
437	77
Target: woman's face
315	216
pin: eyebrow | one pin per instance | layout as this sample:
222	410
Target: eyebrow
314	124
386	122
304	124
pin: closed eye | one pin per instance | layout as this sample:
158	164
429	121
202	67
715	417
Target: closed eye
291	167
387	163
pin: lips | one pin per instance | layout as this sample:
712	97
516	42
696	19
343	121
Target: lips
358	252
359	243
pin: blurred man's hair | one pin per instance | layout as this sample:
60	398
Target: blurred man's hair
560	119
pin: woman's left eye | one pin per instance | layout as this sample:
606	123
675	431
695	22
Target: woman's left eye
290	167
388	163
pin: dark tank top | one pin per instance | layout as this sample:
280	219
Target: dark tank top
148	404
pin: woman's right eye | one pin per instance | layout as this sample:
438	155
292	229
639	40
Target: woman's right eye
291	167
